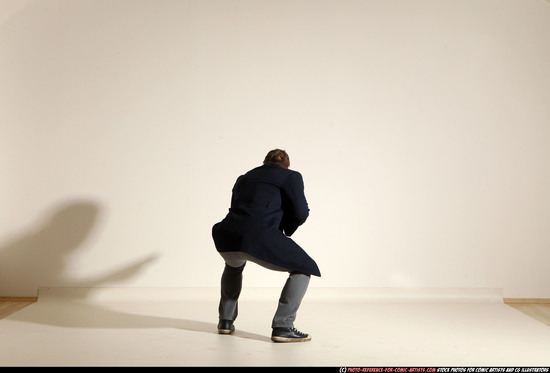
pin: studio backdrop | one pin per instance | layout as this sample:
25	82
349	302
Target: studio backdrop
421	129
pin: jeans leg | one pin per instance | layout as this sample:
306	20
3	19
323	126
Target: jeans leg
231	285
291	297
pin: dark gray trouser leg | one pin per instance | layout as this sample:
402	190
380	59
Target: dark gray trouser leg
231	285
291	297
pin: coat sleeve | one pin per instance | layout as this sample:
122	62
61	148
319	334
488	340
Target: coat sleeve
294	203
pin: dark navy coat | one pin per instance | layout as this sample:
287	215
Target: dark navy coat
267	206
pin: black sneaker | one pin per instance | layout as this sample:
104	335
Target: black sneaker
289	335
226	327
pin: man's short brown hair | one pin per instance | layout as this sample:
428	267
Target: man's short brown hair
278	156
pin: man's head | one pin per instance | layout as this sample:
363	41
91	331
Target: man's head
278	156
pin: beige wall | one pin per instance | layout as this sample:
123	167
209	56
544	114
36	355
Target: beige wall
421	127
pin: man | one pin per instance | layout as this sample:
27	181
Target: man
267	206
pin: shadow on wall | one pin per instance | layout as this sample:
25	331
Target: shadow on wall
40	258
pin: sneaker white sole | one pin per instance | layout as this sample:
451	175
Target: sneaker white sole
287	340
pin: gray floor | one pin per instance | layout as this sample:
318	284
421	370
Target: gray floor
151	327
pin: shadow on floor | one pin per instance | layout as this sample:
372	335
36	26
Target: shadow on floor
83	315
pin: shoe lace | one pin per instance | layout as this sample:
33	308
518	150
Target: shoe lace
298	332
